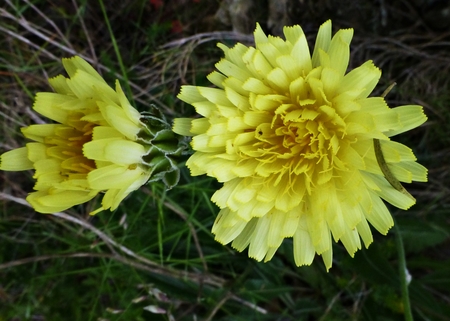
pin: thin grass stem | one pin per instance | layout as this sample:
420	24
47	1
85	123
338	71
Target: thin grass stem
402	271
118	55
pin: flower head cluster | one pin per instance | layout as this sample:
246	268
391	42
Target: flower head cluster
291	136
99	143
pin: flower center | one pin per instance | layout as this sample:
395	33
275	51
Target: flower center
303	137
66	145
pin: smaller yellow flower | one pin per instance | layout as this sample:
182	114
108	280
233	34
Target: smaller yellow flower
99	143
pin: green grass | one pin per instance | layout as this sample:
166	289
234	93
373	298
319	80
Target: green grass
114	266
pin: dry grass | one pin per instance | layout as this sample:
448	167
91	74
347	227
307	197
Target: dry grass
111	267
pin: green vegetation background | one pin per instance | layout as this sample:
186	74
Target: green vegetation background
155	258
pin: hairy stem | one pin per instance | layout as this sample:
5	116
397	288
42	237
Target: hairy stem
402	271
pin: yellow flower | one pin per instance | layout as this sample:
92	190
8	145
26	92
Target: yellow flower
99	143
292	138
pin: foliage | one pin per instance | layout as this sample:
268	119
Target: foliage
155	258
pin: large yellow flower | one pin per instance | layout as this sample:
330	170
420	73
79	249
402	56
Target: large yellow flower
99	143
292	138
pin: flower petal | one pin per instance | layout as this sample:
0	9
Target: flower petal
410	116
15	160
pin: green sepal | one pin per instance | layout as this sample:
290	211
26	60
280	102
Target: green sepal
164	168
165	147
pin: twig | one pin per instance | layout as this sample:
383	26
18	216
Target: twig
146	263
156	270
249	304
50	257
86	33
47	19
28	42
201	38
218	306
33	29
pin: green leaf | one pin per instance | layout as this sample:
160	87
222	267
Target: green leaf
372	264
418	234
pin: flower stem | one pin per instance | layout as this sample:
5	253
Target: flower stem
402	271
119	56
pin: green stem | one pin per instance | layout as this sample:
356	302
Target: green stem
118	55
402	271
